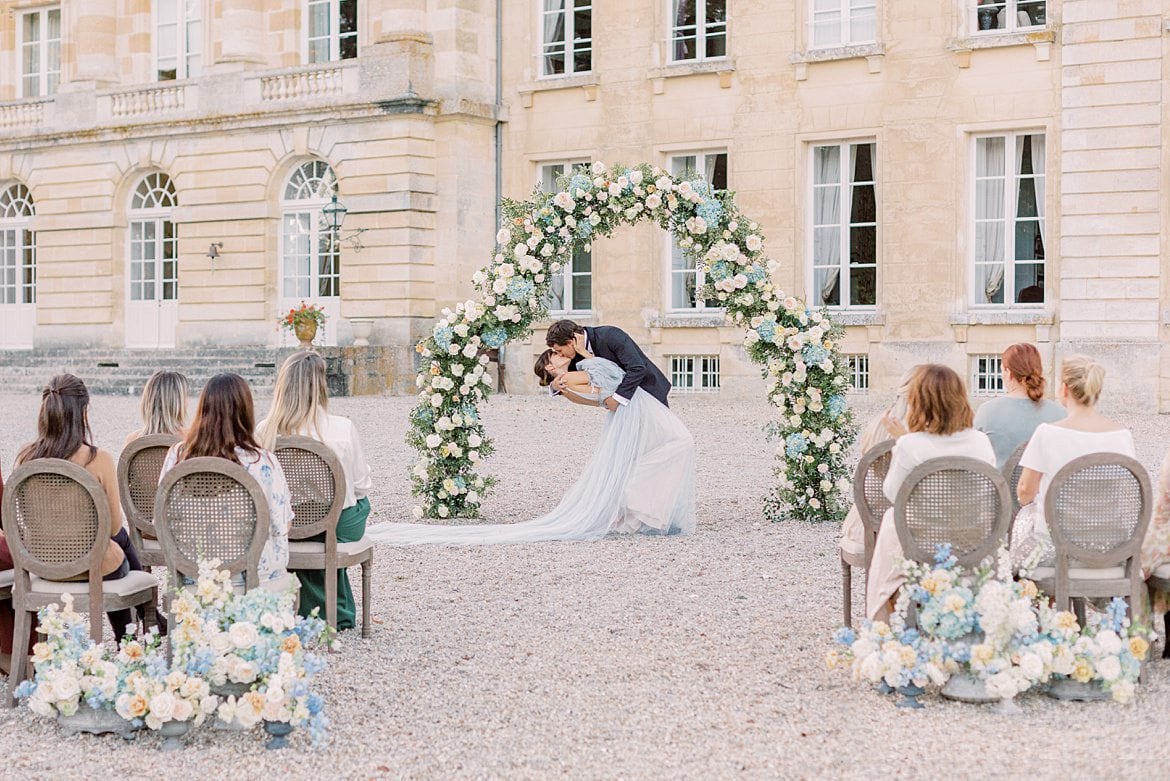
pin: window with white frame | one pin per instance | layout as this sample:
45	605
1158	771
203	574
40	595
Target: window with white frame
694	373
18	249
178	39
686	278
857	367
842	22
40	52
1008	222
566	37
571	288
986	375
698	29
1007	15
310	252
154	240
844	225
333	30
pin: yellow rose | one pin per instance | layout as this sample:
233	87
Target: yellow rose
1139	647
832	660
828	344
41	652
291	644
1066	620
909	656
931	584
982	653
1083	672
1029	589
137	706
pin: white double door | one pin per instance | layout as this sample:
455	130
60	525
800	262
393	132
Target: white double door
310	271
152	300
18	289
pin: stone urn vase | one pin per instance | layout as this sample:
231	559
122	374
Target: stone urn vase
278	730
306	332
172	733
223	691
362	328
96	722
1068	689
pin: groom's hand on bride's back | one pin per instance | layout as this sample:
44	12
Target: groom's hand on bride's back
612	404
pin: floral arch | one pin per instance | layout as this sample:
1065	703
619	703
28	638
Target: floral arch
795	347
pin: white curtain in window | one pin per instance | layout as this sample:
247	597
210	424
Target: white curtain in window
827	211
1038	161
992	206
554	21
709	167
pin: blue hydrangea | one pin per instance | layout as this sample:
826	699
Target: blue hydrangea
629	185
520	289
767	330
845	636
814	354
424	414
711	211
719	271
701	187
495	337
469	412
584	229
1115	615
443	337
579	182
942	552
460	483
795	445
756	273
836	406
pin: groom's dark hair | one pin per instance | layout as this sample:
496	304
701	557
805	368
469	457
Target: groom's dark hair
562	332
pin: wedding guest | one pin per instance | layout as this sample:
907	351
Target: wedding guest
938	424
164	406
1053	445
63	432
300	406
7	617
874	433
1155	546
223	428
1009	420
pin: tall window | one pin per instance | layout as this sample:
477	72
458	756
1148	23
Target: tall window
178	38
310	254
844	225
567	36
571	288
694	373
40	52
842	22
1008	15
686	278
1009	219
154	242
333	27
18	251
986	375
698	29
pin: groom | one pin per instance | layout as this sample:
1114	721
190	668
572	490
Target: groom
605	341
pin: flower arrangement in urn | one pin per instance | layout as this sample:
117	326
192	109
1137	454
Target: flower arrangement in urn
304	320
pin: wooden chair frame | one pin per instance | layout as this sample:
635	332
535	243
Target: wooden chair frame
141	519
1011	473
26	600
870	509
990	543
331	560
1126	554
180	565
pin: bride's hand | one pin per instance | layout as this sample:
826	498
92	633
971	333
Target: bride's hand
579	345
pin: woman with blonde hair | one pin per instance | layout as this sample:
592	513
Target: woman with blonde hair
938	425
164	406
1009	420
1053	445
300	406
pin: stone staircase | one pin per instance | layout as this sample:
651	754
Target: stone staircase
124	372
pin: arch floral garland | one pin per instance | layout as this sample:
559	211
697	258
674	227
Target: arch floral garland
796	347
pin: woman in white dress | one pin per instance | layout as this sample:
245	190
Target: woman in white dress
1053	445
641	479
938	424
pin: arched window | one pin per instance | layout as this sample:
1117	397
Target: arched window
18	251
310	259
153	264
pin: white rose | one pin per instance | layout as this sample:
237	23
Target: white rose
474	440
520	250
162	706
1109	642
598	168
754	243
472	497
614	189
499	286
417	512
443	511
434	440
243	634
502	236
469	351
436	400
473	456
653	201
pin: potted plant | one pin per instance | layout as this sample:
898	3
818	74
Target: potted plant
304	320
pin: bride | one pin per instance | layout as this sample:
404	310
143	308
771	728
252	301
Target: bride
641	478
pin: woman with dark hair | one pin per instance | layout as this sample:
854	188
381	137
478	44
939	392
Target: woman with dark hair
938	424
223	428
63	432
1010	420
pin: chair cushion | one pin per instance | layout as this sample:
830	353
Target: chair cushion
7	578
122	587
1162	572
343	548
852	548
286	582
1081	573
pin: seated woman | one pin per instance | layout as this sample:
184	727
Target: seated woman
222	428
300	405
63	432
1053	445
1155	546
1009	420
938	424
164	406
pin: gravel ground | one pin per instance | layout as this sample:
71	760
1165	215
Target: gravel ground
696	657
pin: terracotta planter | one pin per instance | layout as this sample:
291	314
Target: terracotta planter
306	332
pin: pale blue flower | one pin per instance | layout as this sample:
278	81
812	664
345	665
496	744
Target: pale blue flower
836	406
443	337
756	273
579	182
767	330
719	271
494	337
795	445
520	289
711	211
815	355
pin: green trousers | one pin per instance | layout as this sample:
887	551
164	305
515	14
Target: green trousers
350	528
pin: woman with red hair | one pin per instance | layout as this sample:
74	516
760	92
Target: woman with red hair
1009	420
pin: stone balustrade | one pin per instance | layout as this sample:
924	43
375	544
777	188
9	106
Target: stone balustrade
149	101
315	82
22	114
